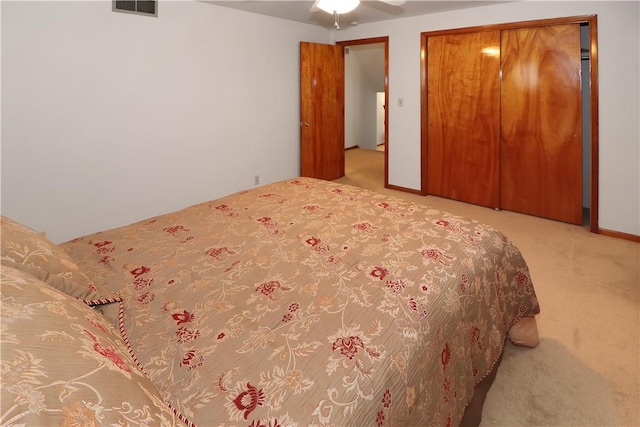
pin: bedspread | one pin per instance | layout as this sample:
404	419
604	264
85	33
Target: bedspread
309	303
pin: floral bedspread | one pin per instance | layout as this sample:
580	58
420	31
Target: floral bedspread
309	303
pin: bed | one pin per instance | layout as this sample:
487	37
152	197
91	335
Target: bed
298	303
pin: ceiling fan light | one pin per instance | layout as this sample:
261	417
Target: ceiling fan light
338	6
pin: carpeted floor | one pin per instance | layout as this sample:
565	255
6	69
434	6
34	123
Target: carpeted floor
586	370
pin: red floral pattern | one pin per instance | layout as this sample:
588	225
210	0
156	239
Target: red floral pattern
249	400
445	357
184	317
137	272
348	346
63	364
186	335
311	303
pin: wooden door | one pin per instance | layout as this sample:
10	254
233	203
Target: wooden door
321	111
541	121
463	125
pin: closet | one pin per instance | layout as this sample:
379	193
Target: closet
503	118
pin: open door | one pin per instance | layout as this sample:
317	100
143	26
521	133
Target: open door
321	111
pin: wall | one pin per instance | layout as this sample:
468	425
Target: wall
380	117
353	87
619	56
585	64
109	118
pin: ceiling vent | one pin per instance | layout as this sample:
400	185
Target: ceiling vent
139	7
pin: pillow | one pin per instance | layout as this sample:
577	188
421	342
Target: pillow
63	364
31	252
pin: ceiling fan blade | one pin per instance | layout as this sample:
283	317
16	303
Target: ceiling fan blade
394	2
314	7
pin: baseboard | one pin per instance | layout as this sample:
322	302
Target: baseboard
619	235
405	189
351	148
604	232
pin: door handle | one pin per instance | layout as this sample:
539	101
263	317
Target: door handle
306	124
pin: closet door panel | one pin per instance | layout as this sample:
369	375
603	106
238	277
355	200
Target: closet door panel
541	130
463	102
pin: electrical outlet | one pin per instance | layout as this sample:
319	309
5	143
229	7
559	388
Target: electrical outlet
256	180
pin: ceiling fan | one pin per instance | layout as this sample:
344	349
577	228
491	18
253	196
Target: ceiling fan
337	7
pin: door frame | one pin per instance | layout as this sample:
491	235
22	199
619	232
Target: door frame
591	20
385	41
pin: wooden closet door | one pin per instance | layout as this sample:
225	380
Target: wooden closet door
463	125
541	122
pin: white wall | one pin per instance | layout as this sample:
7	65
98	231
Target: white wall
619	83
109	118
370	60
354	83
380	107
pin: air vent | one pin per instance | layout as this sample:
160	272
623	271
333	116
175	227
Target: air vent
139	7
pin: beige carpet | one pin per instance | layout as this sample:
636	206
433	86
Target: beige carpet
586	370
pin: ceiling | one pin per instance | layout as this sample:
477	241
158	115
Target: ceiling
368	10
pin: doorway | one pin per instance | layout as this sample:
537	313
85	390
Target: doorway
366	88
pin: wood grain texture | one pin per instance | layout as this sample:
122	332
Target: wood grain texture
463	103
322	108
541	122
591	81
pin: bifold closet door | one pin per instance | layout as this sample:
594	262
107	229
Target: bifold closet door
463	120
541	122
